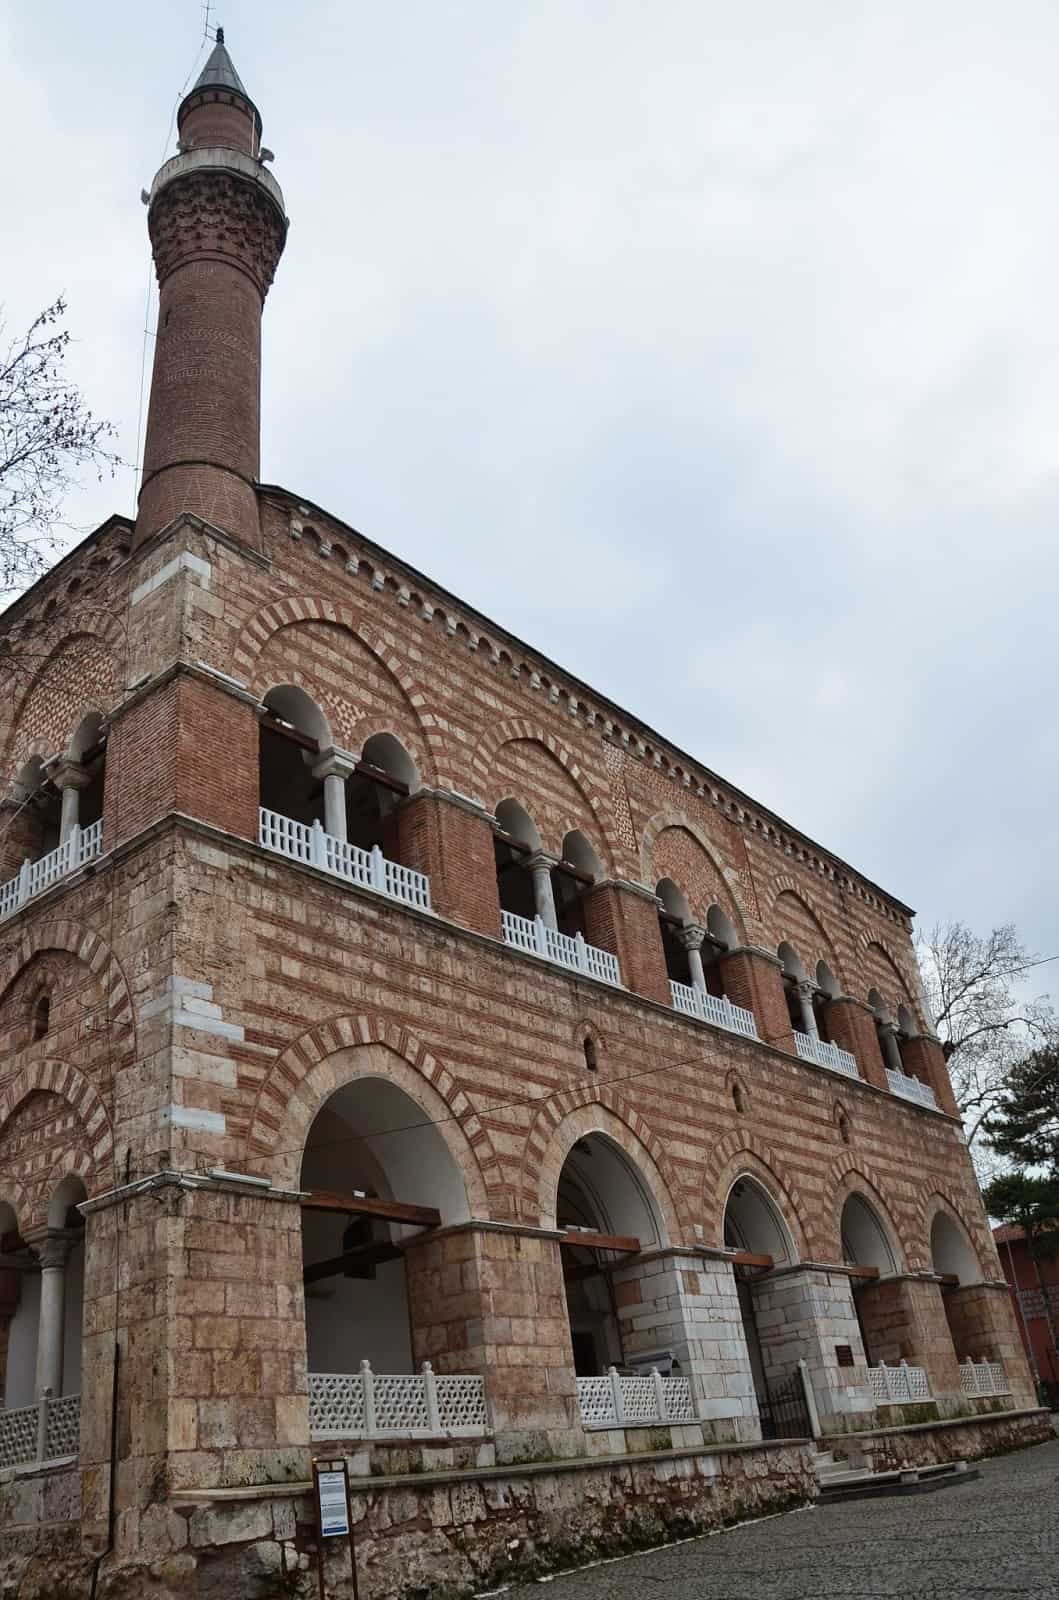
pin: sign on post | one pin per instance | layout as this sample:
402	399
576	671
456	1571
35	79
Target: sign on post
333	1516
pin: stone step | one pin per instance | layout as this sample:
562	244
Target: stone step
859	1485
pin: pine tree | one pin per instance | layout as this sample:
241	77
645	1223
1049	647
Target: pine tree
1025	1125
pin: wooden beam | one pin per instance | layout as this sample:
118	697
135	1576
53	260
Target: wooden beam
747	1258
360	1205
582	1239
863	1272
357	1263
949	1280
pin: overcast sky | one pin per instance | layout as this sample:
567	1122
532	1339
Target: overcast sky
713	349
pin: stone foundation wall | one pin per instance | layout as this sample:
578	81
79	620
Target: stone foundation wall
40	1533
929	1443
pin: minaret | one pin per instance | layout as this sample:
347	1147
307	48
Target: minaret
217	227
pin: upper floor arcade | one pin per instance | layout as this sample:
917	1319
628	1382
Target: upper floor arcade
378	737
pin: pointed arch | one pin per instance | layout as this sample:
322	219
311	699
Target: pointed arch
84	943
671	817
738	1153
882	969
306	1074
851	1175
573	1115
514	729
809	919
90	1152
265	624
935	1198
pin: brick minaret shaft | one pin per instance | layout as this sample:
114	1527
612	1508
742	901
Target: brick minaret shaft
217	227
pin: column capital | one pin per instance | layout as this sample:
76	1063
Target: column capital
51	1246
335	763
691	936
541	860
67	774
806	988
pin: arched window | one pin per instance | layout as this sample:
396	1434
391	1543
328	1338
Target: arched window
383	777
84	771
754	1225
588	1045
515	840
674	915
36	824
797	991
577	870
294	733
827	989
885	1032
41	1017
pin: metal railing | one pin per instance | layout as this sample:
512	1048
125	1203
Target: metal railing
825	1055
532	935
717	1009
910	1088
376	1405
614	1401
313	846
47	1431
983	1378
899	1386
33	877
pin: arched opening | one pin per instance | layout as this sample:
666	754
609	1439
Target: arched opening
20	1309
383	777
294	732
754	1226
577	871
907	1031
37	823
41	1017
885	1032
721	929
956	1262
370	1140
84	770
674	915
515	840
797	991
601	1190
865	1244
827	989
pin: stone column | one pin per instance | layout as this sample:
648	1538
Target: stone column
805	993
543	893
806	1313
489	1298
852	1027
686	1302
891	1051
51	1247
691	938
69	777
753	979
449	837
334	767
623	917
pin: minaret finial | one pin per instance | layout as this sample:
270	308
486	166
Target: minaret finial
219	36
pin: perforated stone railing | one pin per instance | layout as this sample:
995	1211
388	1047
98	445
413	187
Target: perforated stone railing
717	1009
371	1405
48	1431
825	1055
616	1401
532	935
368	869
983	1378
33	877
900	1385
910	1088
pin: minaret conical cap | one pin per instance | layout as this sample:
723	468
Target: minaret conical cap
219	73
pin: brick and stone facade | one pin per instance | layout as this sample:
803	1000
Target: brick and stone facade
208	1013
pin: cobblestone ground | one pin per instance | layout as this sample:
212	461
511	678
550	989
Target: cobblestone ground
996	1537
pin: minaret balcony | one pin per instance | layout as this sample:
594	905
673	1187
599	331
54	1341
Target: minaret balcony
80	845
312	846
825	1055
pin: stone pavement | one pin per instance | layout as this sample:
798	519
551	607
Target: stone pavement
992	1538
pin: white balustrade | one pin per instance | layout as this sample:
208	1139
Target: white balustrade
368	869
81	845
717	1009
899	1386
376	1405
983	1378
615	1401
910	1088
825	1055
47	1431
533	936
